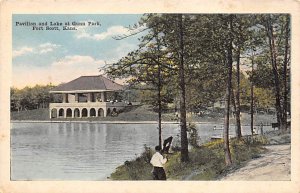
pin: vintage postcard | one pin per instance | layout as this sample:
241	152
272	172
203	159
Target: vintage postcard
153	96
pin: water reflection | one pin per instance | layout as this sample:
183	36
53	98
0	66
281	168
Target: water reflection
84	151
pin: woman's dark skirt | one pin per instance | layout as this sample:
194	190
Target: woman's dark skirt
159	173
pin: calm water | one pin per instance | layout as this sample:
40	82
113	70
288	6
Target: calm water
85	151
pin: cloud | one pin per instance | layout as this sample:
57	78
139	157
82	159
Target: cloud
22	51
71	67
64	70
47	47
110	32
40	49
78	61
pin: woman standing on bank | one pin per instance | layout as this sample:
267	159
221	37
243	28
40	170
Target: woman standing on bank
158	161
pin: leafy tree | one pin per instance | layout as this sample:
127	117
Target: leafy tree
147	65
189	59
228	20
30	98
159	58
242	34
275	61
181	54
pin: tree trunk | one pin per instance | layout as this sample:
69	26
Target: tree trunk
184	140
233	100
226	119
228	160
238	130
159	104
159	87
252	99
285	63
275	71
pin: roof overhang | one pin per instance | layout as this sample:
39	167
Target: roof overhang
84	91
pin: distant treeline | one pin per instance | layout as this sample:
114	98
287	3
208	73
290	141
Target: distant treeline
30	98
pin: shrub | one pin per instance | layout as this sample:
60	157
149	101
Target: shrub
206	161
193	135
138	169
147	154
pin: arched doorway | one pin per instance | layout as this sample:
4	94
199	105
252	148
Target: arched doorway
108	112
76	113
69	112
61	113
54	113
100	113
84	112
92	112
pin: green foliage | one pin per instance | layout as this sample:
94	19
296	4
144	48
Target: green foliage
138	169
208	45
247	148
205	162
254	140
263	97
147	154
30	98
193	135
35	114
205	42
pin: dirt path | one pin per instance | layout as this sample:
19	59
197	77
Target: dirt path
275	164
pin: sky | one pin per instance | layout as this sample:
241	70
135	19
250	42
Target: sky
58	56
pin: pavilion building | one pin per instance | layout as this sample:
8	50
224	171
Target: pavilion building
87	96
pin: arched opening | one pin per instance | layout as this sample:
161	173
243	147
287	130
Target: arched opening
61	113
54	113
84	112
108	112
69	112
76	113
92	112
100	113
114	110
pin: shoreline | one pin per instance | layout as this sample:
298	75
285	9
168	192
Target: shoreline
141	115
118	122
104	122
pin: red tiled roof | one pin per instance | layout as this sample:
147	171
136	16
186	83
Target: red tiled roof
89	83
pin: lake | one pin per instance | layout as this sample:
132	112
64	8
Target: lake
86	151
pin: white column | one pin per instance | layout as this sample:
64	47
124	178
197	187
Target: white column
80	113
65	113
64	98
104	112
103	96
76	97
89	97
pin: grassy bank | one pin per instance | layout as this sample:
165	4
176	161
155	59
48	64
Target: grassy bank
206	162
37	114
140	113
135	113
